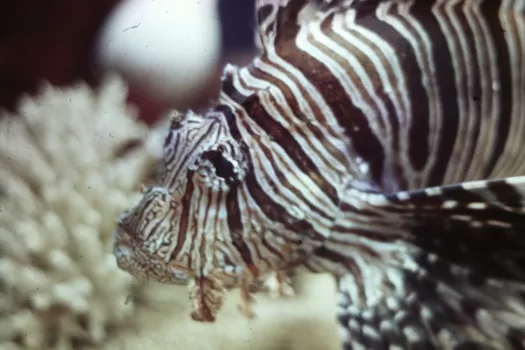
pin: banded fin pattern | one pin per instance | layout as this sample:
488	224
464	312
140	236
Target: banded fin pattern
459	282
480	222
428	92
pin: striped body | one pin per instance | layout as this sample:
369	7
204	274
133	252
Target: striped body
330	151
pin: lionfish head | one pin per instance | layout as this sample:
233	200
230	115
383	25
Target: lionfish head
202	163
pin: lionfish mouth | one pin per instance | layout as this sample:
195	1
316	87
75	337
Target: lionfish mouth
122	248
122	237
122	254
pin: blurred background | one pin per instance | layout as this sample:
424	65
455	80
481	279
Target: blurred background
170	52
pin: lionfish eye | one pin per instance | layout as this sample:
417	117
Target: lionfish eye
223	167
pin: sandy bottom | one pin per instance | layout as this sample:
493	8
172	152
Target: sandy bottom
306	322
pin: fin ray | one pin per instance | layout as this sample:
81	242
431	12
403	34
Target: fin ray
480	224
461	271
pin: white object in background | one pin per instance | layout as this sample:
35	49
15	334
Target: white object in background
168	47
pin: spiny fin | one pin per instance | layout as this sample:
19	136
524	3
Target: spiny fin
460	278
480	224
277	20
327	5
507	191
361	6
274	16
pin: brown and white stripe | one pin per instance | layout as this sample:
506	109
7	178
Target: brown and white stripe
330	149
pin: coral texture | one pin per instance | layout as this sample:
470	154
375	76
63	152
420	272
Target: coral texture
66	170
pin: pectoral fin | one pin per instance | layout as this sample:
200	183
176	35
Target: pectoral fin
476	224
460	280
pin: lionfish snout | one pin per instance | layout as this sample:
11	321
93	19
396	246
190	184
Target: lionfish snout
124	256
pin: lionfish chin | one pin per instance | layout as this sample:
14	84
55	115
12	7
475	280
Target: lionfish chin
379	141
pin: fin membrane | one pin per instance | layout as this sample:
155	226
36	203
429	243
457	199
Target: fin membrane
460	279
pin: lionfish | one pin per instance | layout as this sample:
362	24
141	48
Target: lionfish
381	141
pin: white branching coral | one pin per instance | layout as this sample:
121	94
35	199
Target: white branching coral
64	177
